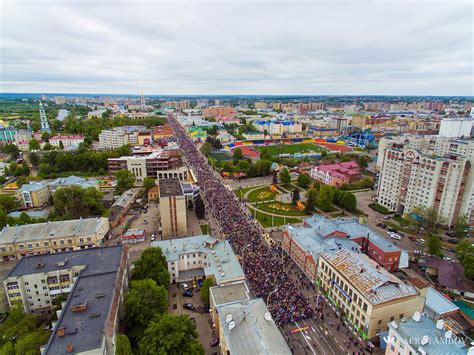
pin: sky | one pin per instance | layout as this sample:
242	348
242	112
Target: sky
237	47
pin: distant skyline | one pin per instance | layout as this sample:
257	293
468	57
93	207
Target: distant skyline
237	48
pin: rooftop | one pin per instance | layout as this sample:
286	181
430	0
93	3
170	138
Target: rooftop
250	329
375	283
33	186
170	187
223	262
438	302
95	287
126	198
450	274
229	293
350	227
413	331
32	214
60	229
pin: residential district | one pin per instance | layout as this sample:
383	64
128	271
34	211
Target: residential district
236	225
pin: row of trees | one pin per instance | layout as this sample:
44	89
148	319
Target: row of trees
324	196
149	328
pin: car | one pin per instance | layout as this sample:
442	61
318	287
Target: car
214	341
395	236
189	306
393	230
401	234
153	238
453	241
188	293
412	238
185	286
387	217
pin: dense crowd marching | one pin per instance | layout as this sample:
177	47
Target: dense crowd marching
263	269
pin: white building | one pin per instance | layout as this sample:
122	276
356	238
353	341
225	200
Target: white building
428	171
456	127
67	141
116	137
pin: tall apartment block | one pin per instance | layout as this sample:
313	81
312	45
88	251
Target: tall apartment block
172	208
429	171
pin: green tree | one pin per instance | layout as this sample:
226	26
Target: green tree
285	176
31	342
206	148
34	159
34	144
311	196
148	183
8	203
265	153
295	196
152	265
324	199
45	136
143	301
170	335
206	285
303	181
349	201
125	180
434	245
75	201
262	167
237	154
48	146
10	149
461	225
61	145
122	345
465	254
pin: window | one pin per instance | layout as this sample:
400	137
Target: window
365	307
37	245
379	322
69	241
401	316
21	246
61	242
89	239
81	240
26	283
46	244
392	318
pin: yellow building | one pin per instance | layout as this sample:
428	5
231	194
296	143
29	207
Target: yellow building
153	194
359	121
367	295
34	194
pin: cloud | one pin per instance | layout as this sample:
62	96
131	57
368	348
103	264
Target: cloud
417	48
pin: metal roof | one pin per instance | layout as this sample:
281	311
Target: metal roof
439	303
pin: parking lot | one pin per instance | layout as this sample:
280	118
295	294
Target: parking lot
199	316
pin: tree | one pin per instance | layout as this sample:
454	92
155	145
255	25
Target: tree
262	167
10	149
122	345
31	342
363	161
237	154
148	183
465	254
34	159
171	335
285	176
434	245
45	136
349	201
143	301
61	145
265	153
324	199
206	148
152	265
206	285
48	146
461	225
303	181
200	209
75	201
34	144
8	203
311	197
295	196
125	180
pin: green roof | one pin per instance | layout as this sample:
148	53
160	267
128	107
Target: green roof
465	308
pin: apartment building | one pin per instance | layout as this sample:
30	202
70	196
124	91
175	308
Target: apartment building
199	257
173	208
336	174
428	171
218	111
68	141
365	294
116	137
278	128
178	105
52	237
420	335
379	249
260	105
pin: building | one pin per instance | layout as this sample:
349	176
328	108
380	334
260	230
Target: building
122	205
89	321
133	235
432	172
7	135
336	174
260	105
198	257
253	135
172	208
34	194
178	105
365	294
67	141
116	137
219	111
162	132
72	181
153	194
52	237
278	128
420	335
96	113
456	127
247	327
3	166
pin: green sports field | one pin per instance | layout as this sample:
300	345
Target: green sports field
291	148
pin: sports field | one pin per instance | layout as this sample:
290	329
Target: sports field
291	148
222	155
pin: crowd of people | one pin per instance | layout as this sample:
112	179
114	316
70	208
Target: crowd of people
265	272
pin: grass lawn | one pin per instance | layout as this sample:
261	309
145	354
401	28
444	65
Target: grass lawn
223	156
241	192
261	194
292	148
204	228
280	208
266	220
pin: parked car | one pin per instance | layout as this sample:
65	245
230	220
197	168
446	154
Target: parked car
153	237
188	293
395	236
185	286
412	238
387	217
215	341
453	241
189	306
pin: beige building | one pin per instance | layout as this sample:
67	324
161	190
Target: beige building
428	171
34	194
260	105
367	295
172	209
219	111
52	237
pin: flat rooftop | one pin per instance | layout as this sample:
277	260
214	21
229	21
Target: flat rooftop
251	329
60	229
375	283
230	293
170	187
224	264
